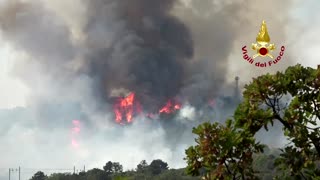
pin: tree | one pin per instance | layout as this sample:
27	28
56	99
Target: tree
112	167
93	174
117	167
108	167
158	166
222	152
39	176
263	103
142	167
97	174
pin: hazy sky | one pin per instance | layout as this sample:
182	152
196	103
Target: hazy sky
31	139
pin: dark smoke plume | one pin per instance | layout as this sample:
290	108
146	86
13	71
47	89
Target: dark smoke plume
148	53
75	64
138	46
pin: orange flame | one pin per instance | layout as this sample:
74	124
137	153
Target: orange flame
125	106
118	115
170	107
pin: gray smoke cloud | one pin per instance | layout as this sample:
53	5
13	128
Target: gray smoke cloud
146	47
148	52
79	54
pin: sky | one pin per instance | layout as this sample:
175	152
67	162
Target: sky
13	91
39	103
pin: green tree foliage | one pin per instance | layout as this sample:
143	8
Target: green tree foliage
108	168
97	174
263	103
145	174
174	174
158	166
222	152
93	174
39	176
142	167
58	176
113	167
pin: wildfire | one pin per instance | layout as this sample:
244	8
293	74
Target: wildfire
124	108
170	107
127	107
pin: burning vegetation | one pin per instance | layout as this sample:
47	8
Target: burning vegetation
126	108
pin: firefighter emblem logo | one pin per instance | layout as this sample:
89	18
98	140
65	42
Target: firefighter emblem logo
262	48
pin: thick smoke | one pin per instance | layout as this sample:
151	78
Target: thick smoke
140	46
134	45
147	54
79	54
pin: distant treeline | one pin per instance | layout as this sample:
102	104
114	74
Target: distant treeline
157	170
